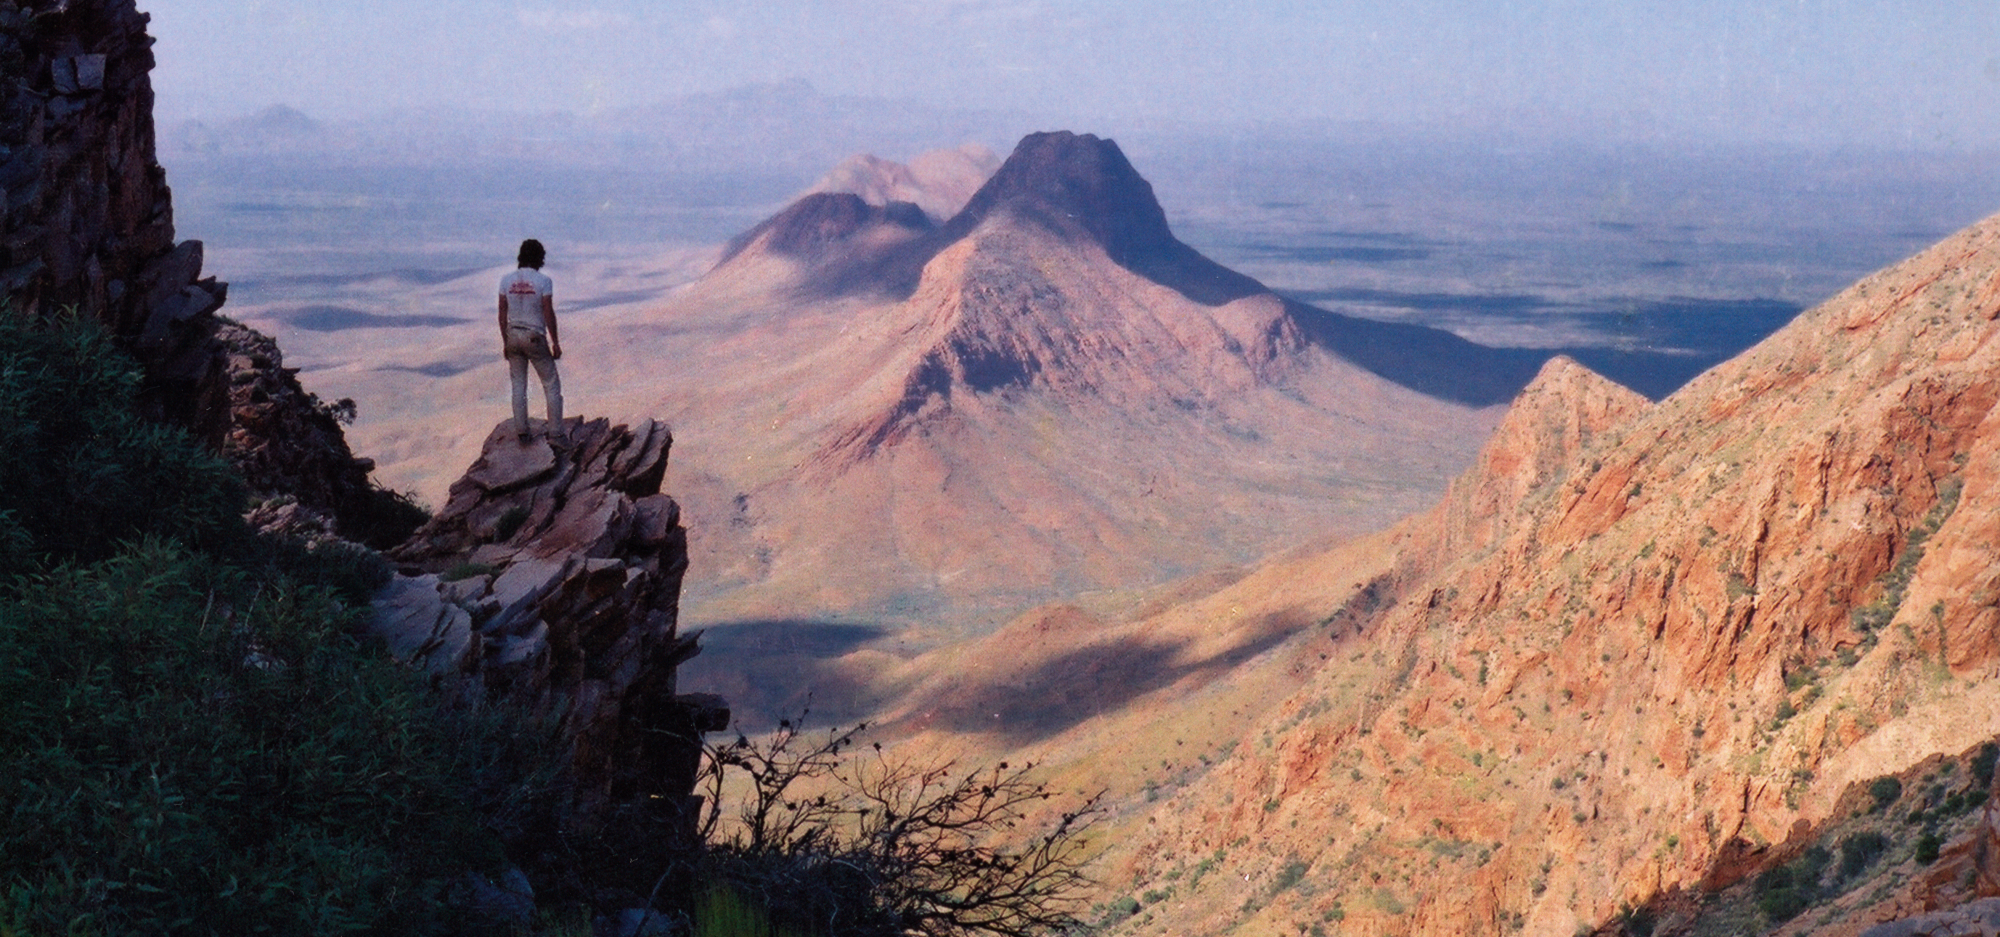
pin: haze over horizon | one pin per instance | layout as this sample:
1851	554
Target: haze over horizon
1818	74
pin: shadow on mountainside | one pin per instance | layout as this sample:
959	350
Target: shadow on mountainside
773	668
1440	364
1074	686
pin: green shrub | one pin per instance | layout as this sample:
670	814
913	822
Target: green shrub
1982	766
80	471
200	751
382	518
1785	891
509	523
467	571
1858	850
353	572
1885	790
190	739
1927	848
1293	873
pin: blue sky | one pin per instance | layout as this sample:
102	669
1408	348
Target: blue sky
1922	75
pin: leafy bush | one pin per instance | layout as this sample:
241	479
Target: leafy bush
191	740
1785	891
1927	848
835	845
198	751
1293	873
80	471
1982	767
352	572
382	518
1858	850
1885	790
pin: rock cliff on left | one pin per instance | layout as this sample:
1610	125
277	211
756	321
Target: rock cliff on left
88	219
87	224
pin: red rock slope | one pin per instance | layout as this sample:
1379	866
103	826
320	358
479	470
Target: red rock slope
1636	645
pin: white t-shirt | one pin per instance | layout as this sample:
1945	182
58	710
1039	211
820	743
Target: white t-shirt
523	290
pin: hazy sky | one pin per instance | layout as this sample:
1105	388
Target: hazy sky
1898	73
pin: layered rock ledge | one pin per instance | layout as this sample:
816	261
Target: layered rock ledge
553	574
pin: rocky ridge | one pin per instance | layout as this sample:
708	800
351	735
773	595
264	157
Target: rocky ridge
1667	638
290	447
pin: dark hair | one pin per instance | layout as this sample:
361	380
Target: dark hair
531	254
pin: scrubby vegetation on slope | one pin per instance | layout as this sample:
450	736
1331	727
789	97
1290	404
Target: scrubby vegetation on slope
194	740
191	741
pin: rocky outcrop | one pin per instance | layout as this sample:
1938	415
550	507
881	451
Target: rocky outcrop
1973	919
553	575
1553	421
86	220
289	446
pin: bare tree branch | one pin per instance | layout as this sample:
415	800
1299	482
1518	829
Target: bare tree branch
873	846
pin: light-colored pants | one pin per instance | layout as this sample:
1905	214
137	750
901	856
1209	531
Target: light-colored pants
525	346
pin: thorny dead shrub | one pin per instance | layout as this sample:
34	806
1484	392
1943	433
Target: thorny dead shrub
839	841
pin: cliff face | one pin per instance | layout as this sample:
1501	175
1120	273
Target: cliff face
1638	649
87	218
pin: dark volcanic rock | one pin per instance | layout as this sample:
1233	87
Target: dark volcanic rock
810	228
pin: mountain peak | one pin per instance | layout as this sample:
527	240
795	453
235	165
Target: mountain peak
1083	189
1078	185
940	182
818	226
1560	414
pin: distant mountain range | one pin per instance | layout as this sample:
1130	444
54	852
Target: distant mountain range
787	124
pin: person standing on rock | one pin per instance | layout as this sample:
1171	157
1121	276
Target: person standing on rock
528	336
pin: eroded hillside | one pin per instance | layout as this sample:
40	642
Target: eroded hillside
1634	649
1672	647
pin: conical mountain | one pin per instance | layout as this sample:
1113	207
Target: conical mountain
1047	392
